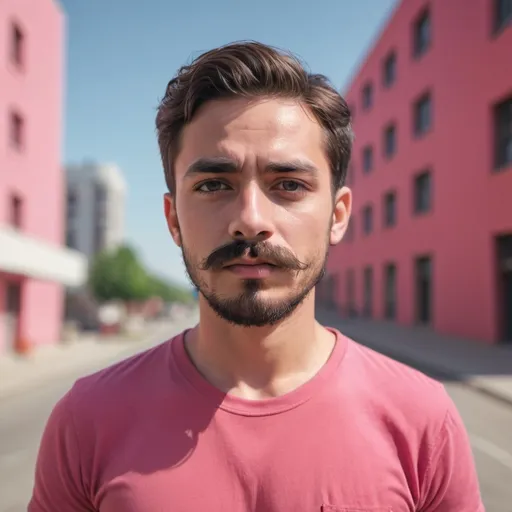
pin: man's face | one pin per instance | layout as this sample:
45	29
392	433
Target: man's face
253	209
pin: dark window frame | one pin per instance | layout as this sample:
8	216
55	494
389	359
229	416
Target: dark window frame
502	121
426	98
501	15
386	217
16	211
17	130
17	45
422	262
419	206
419	46
390	152
389	69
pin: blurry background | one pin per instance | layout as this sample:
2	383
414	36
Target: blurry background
89	273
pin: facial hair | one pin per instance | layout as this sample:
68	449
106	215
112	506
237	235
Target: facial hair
248	308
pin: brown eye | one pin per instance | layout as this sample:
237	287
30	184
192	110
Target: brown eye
291	186
212	186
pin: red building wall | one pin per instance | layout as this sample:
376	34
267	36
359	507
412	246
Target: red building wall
467	69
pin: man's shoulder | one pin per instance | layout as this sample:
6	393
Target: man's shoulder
397	388
129	379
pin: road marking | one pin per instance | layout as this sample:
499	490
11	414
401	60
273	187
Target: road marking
492	450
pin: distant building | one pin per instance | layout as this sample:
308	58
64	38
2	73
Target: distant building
95	207
430	240
34	264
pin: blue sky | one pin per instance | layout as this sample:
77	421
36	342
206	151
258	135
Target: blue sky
121	54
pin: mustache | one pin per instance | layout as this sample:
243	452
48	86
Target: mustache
276	255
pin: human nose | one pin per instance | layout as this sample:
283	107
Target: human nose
252	218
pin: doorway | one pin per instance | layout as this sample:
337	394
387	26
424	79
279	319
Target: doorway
424	290
12	313
504	252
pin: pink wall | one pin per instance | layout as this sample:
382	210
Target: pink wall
467	69
35	172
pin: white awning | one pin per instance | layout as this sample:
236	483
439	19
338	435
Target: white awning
28	256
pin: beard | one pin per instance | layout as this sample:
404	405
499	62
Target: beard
249	308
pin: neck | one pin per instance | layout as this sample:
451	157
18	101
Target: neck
259	362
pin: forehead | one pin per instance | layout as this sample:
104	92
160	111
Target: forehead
244	129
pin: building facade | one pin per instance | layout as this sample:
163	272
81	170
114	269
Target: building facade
96	195
430	239
35	266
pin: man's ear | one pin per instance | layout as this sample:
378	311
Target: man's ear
340	215
171	217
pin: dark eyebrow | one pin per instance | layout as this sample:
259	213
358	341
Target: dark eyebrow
223	165
217	165
292	166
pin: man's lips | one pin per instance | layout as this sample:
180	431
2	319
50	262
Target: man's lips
249	263
251	269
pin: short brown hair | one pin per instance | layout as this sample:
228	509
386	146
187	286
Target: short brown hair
252	69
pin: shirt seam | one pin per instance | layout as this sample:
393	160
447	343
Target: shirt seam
242	412
79	450
432	451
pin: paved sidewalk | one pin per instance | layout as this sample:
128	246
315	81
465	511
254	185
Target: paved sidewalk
19	374
483	367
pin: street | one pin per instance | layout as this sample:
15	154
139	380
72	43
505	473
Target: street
22	419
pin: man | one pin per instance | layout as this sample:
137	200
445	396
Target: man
258	408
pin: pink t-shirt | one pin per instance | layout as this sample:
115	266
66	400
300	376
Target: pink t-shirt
151	434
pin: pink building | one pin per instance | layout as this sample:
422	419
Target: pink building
430	239
34	265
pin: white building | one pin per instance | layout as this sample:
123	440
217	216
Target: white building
96	196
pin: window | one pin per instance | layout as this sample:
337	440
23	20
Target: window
502	13
422	192
422	34
367	159
389	71
424	291
390	141
16	205
367	219
390	291
17	128
422	115
503	134
368	291
367	96
17	45
390	209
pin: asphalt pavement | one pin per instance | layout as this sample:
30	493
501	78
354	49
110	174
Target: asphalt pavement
22	418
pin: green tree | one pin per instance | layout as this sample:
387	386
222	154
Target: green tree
120	275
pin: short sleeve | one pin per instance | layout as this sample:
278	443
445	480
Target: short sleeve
451	481
58	475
